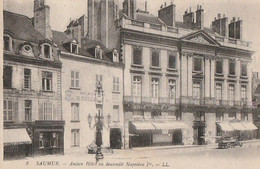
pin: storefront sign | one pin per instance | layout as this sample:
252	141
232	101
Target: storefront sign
79	96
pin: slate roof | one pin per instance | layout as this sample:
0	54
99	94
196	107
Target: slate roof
257	90
87	45
21	27
149	18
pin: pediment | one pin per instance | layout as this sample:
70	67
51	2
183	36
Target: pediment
200	37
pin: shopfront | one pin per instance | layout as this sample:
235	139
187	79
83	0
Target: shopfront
47	137
146	134
17	143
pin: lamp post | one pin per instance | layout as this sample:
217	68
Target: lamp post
99	120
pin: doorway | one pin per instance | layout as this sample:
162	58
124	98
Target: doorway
199	135
115	138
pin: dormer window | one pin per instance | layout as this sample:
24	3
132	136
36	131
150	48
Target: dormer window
98	52
27	48
8	43
46	51
115	56
74	48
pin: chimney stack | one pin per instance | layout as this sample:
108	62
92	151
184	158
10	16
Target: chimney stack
146	6
235	28
168	14
129	8
199	17
220	25
188	18
42	18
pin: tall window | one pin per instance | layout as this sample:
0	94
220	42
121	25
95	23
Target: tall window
98	52
243	69
232	65
231	92
48	140
115	84
27	78
155	58
47	51
197	64
46	81
74	111
7	76
199	116
8	110
172	63
155	88
115	115
219	66
7	43
219	116
28	110
137	55
74	48
196	90
74	79
137	86
243	93
75	138
218	91
244	116
172	89
47	111
99	78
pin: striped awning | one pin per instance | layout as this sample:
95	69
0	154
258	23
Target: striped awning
249	126
237	126
170	125
225	126
143	126
16	137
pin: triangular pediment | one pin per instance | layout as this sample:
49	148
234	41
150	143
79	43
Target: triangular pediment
200	37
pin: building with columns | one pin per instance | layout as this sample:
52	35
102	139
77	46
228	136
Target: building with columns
184	83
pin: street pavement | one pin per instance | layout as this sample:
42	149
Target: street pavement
195	157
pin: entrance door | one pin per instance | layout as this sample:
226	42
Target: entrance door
201	135
177	137
115	138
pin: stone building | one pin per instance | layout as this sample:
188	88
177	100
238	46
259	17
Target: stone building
33	122
184	83
85	62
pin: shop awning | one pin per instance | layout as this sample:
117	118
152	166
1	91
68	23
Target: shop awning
237	126
143	126
170	125
249	126
16	137
225	126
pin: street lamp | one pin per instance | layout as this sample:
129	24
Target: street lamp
99	119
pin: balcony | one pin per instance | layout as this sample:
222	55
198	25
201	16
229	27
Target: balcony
139	99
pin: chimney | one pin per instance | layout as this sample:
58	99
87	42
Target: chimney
220	25
146	6
239	29
199	17
232	28
167	14
42	18
188	18
129	8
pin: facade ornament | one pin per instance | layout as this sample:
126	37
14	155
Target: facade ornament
199	39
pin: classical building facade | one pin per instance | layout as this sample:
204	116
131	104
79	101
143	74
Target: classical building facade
183	83
32	86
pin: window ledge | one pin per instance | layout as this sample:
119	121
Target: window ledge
196	71
137	66
219	74
47	91
243	77
232	76
115	92
172	70
75	121
155	68
75	88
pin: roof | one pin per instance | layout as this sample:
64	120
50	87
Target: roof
21	27
149	18
61	38
257	90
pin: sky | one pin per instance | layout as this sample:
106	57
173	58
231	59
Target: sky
247	10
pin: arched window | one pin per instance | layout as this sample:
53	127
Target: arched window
115	56
46	51
98	53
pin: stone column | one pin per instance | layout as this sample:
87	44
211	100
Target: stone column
237	85
189	74
207	78
249	86
212	78
183	69
178	82
225	85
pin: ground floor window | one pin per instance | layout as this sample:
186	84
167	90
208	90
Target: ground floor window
75	138
48	139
